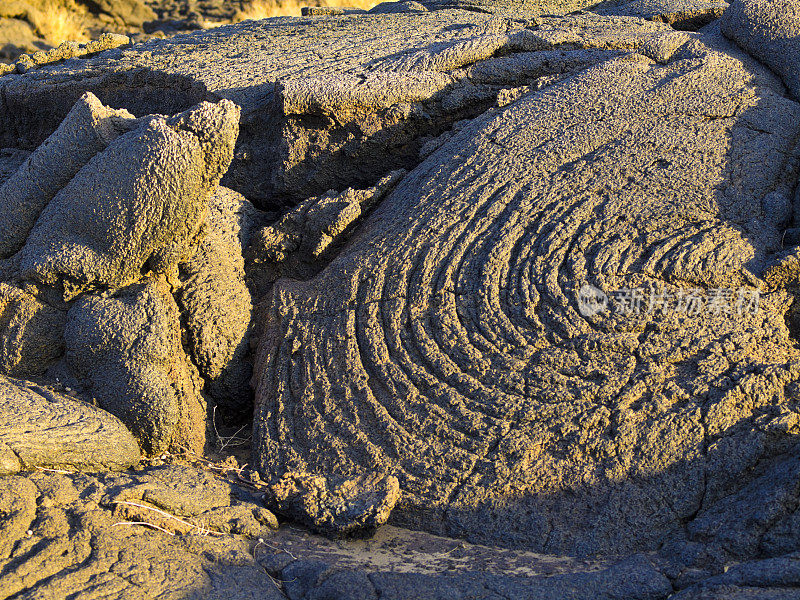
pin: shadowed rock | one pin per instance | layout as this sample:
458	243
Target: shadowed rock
125	349
326	103
31	333
447	346
681	14
333	505
305	239
216	302
86	130
44	428
770	31
149	191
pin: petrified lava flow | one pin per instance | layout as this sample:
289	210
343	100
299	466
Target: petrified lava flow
445	345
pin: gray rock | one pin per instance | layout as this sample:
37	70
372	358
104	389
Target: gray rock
772	579
149	191
326	104
125	349
85	131
385	8
681	14
521	8
131	13
305	239
396	563
335	505
48	429
770	31
446	344
216	302
11	159
31	333
767	501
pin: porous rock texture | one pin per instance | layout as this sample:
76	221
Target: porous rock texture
86	130
424	337
45	428
126	351
335	506
770	31
445	345
95	224
96	536
216	302
681	14
150	191
327	102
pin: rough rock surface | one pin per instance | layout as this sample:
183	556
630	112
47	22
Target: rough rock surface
681	14
304	240
11	159
464	332
126	351
31	333
87	130
770	31
102	213
149	190
48	429
70	534
326	102
445	345
65	51
216	302
332	505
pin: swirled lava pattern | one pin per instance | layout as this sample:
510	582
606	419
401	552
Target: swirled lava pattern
445	344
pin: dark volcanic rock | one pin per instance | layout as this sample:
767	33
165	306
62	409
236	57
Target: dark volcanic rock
126	351
45	428
149	193
216	302
681	14
333	505
447	344
87	130
326	103
770	31
102	214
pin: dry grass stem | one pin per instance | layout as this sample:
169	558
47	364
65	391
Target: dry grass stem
202	530
144	523
60	22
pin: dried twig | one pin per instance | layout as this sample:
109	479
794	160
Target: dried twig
145	523
55	471
203	530
261	542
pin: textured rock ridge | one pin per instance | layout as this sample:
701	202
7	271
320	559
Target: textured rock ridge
769	31
150	191
335	506
529	280
341	115
44	428
126	351
216	303
102	215
445	345
87	130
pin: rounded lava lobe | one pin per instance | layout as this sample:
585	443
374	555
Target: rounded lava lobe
446	345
